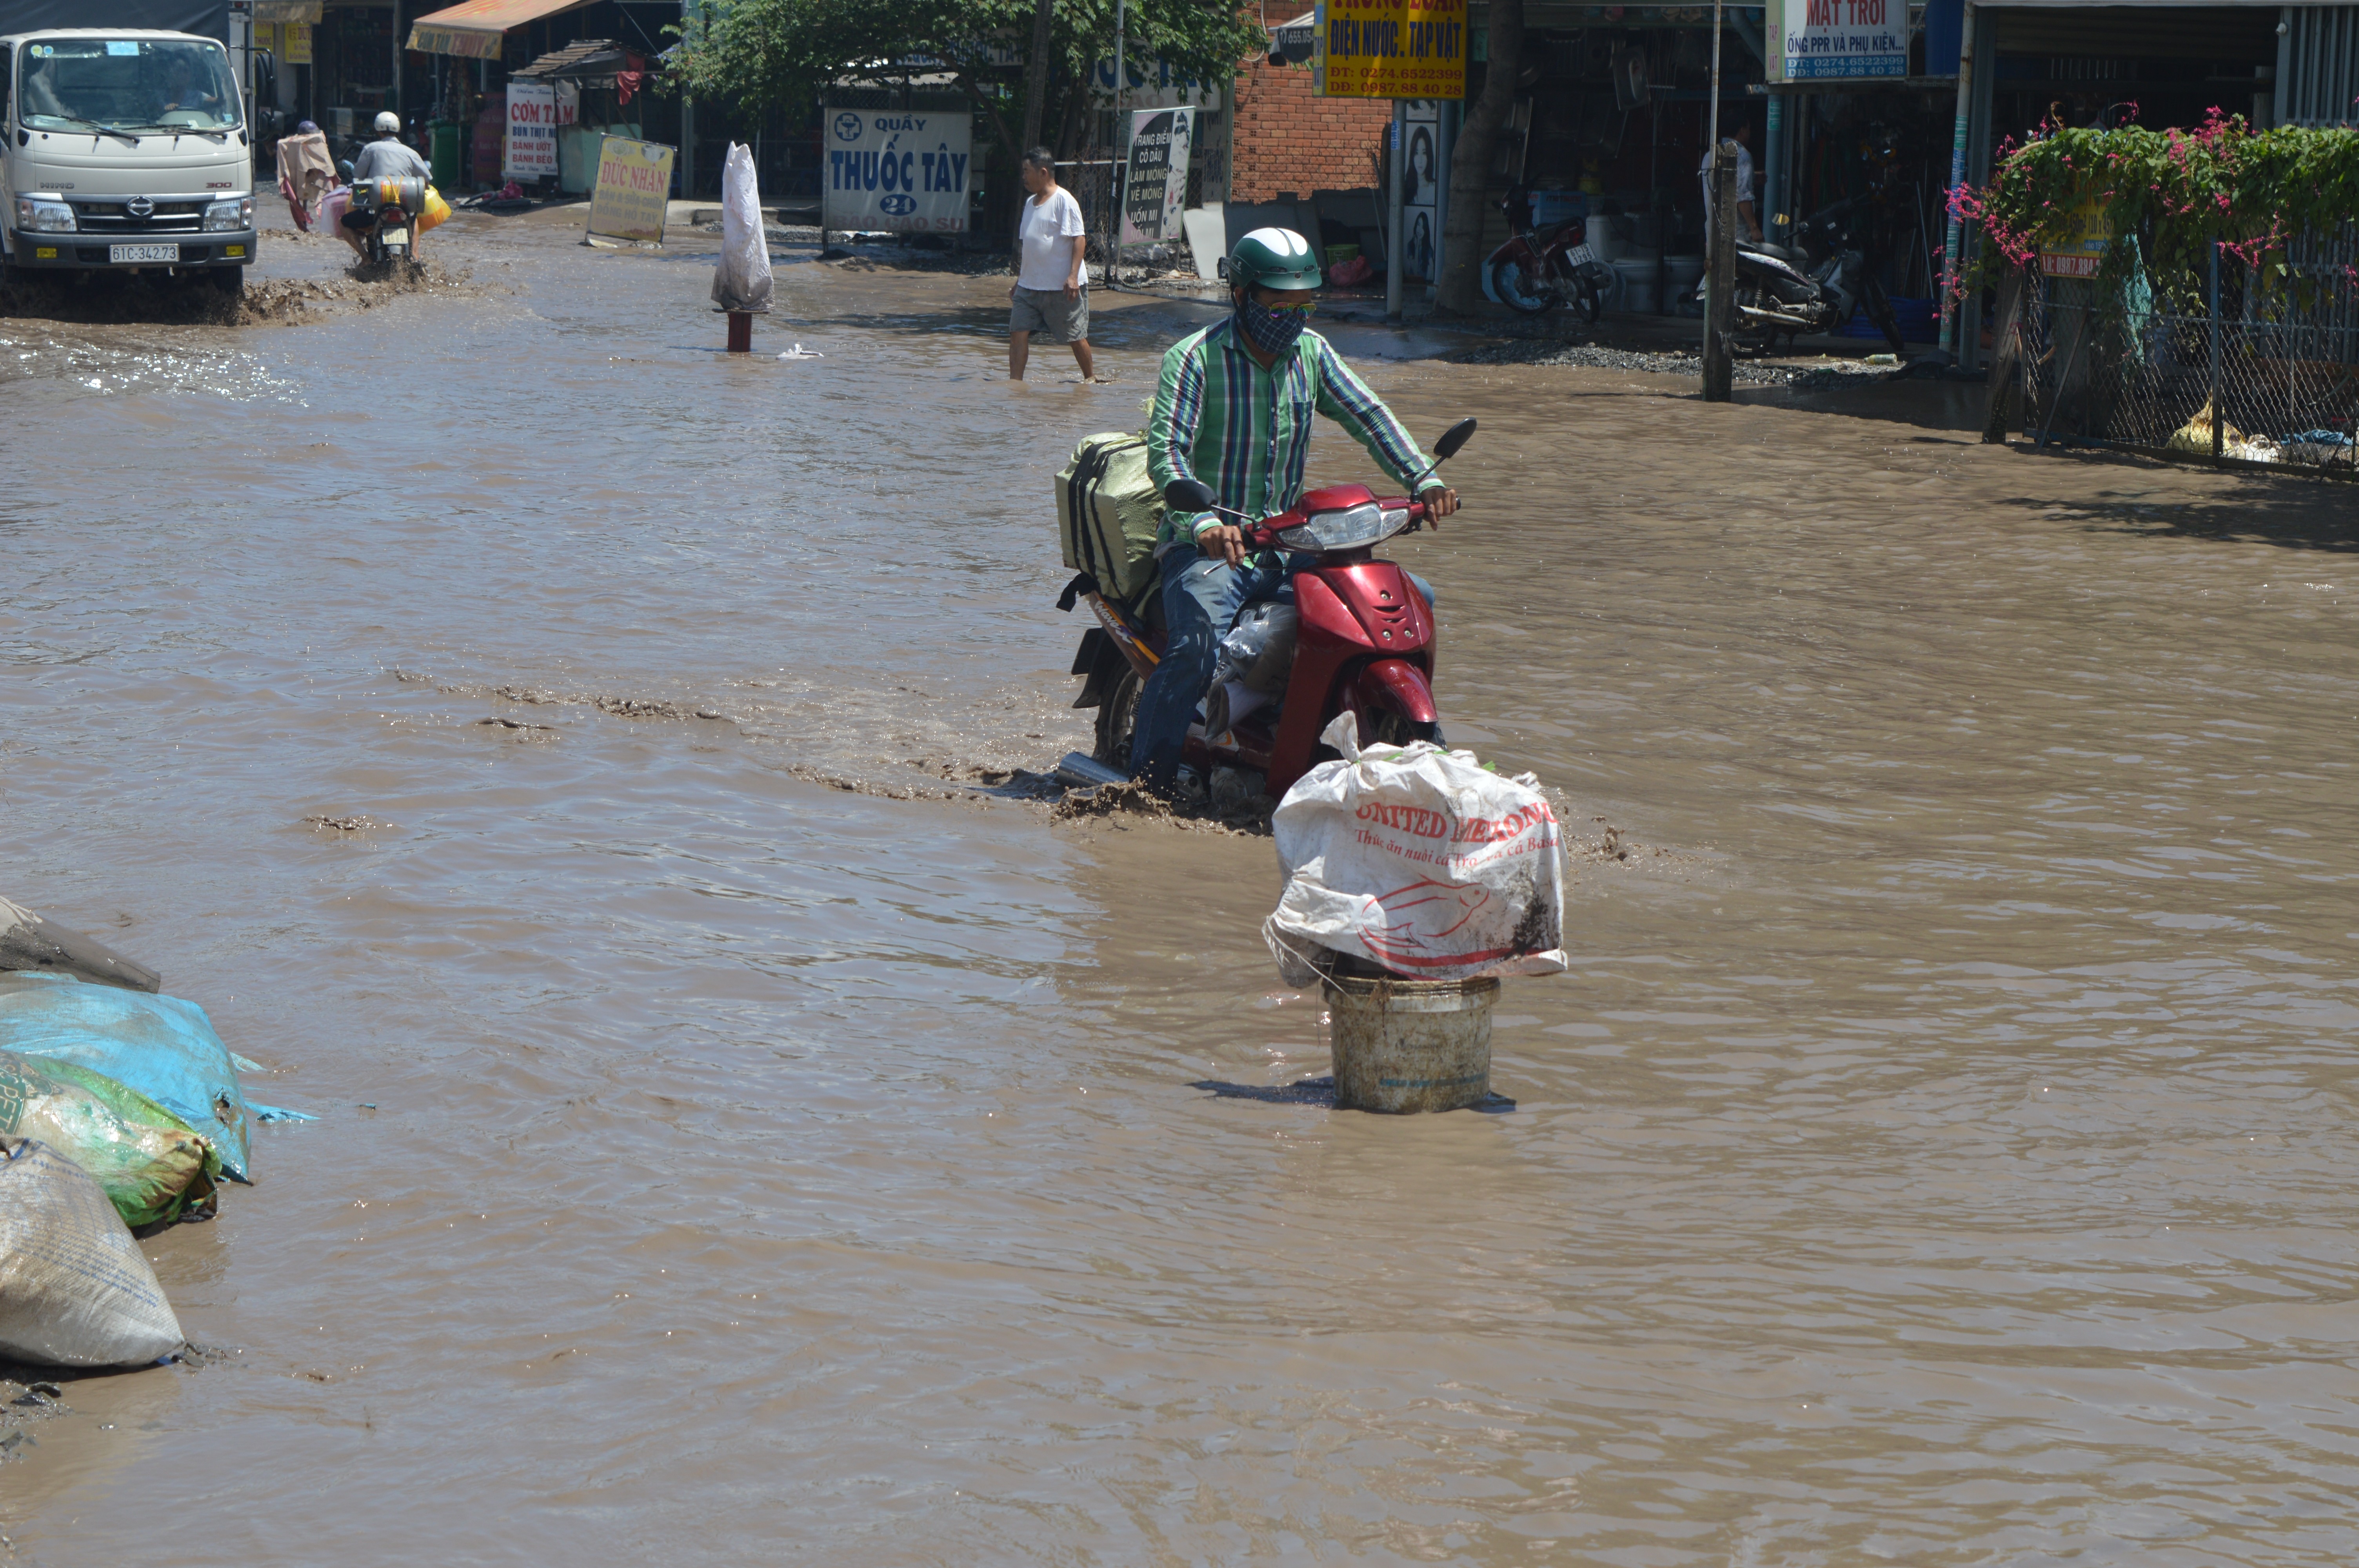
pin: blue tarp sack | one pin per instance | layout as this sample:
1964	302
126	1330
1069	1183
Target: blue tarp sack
160	1045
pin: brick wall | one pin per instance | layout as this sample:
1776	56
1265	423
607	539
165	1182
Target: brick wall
1286	140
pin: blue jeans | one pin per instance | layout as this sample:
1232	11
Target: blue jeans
1200	600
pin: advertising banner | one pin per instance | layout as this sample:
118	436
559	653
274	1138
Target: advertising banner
1156	186
1421	192
1834	40
634	190
2072	243
466	43
298	48
531	149
905	171
1153	85
1392	49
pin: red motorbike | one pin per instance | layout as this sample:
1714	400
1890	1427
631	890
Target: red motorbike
1531	274
1362	640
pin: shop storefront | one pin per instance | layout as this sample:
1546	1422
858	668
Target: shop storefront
2032	63
444	70
1611	123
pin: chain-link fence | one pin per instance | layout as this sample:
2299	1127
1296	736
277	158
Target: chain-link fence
2250	364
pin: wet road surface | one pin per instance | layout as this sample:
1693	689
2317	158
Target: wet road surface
1939	1154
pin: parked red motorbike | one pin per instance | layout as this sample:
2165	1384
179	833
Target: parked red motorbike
1362	641
1533	274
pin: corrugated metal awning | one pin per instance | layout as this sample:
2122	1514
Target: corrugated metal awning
477	29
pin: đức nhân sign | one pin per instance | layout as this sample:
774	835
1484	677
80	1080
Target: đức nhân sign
896	170
634	190
530	151
1156	186
1834	40
1390	48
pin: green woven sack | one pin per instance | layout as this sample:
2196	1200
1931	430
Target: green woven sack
1108	515
150	1163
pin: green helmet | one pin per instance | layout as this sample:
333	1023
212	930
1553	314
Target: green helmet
1273	258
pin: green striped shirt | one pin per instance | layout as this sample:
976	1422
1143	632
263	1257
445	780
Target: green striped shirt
1245	431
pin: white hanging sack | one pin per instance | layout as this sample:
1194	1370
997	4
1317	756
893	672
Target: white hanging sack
742	281
1419	861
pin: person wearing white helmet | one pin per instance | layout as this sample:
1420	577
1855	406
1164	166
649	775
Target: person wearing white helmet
387	157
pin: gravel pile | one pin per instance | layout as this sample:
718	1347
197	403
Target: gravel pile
1683	362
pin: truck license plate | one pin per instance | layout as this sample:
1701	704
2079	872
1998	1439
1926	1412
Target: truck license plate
143	252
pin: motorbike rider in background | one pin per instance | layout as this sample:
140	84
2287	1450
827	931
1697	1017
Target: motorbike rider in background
1233	410
387	157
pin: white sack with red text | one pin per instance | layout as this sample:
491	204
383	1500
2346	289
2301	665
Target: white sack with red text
1418	860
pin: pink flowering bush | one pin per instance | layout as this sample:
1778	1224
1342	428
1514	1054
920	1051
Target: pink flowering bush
2175	190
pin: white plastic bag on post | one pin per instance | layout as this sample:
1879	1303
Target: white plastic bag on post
742	281
1420	861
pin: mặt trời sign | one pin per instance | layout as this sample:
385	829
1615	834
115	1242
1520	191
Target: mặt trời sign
908	171
633	195
1390	48
1834	39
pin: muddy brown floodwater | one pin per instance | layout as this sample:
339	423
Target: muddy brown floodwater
1940	1153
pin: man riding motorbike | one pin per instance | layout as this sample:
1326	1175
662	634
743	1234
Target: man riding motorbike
389	157
1233	410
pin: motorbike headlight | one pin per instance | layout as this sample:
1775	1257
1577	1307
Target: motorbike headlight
237	213
1350	528
40	215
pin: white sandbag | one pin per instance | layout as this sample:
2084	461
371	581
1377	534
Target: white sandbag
1419	861
742	281
75	1290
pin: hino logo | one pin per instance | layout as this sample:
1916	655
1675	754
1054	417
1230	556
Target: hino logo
139	206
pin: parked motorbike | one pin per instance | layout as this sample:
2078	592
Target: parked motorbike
1533	274
1811	286
386	212
1361	641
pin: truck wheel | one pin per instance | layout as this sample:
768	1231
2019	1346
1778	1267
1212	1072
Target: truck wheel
230	280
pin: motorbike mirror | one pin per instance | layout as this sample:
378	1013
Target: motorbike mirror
1189	495
345	169
1457	436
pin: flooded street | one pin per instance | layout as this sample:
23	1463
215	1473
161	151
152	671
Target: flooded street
559	753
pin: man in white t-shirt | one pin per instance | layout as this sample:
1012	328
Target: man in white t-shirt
1748	225
1052	285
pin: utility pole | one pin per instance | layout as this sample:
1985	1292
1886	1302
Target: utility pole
1720	303
1953	239
1394	275
1721	228
1121	170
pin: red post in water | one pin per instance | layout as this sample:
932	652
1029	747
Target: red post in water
741	331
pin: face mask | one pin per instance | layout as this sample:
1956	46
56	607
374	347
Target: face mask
1271	331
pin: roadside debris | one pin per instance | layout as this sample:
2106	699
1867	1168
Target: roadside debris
75	1290
151	1165
115	1100
29	942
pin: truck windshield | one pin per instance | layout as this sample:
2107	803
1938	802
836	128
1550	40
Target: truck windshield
121	84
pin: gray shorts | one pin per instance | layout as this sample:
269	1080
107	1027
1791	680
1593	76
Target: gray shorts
1047	310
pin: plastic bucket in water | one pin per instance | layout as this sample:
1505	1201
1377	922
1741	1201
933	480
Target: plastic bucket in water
1409	1045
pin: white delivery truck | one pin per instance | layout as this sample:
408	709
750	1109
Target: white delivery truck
126	149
